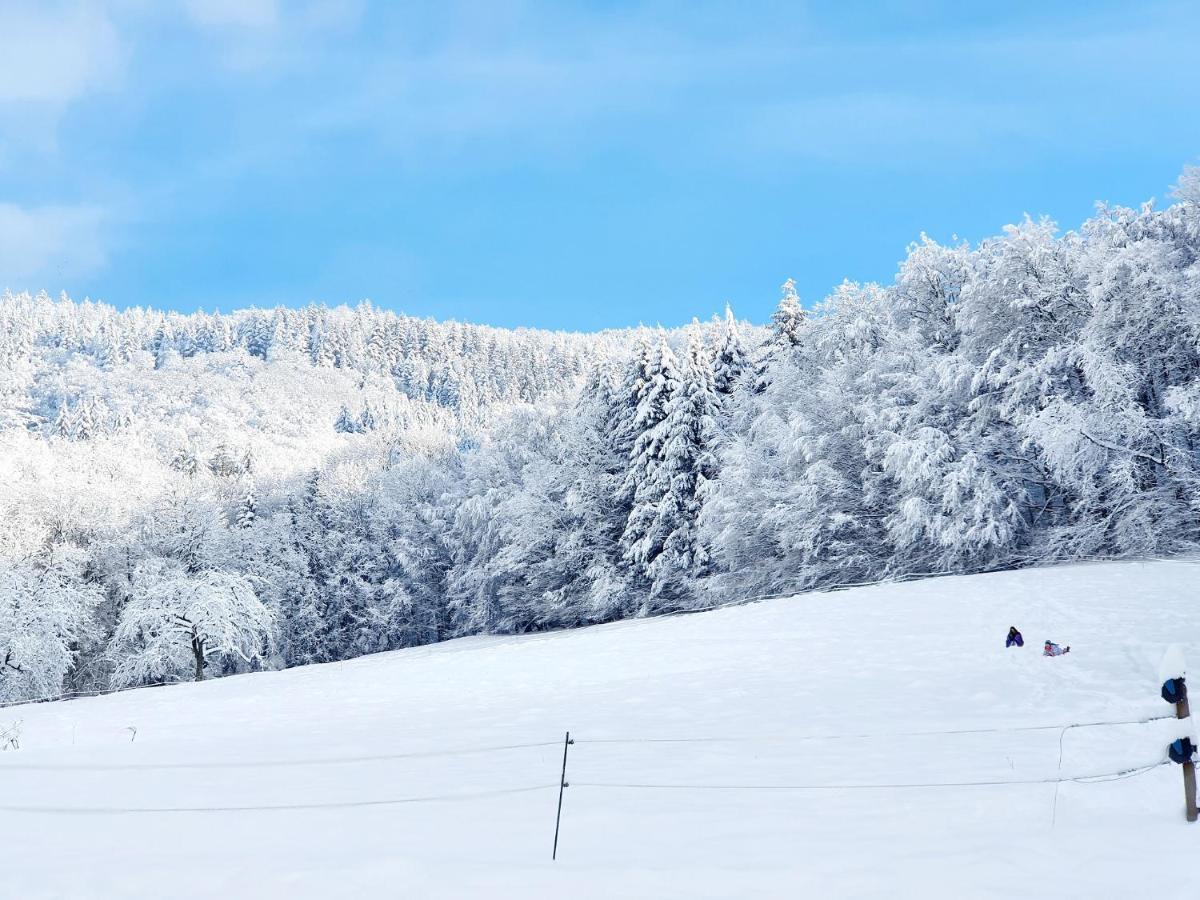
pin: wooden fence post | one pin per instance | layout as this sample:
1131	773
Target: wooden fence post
1183	711
1173	674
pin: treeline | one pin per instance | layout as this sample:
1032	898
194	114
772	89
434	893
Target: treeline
1030	399
455	365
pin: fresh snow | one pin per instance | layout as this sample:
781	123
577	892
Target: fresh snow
778	691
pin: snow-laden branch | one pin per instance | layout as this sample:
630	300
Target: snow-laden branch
1126	450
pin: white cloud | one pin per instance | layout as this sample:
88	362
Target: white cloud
233	13
51	55
49	242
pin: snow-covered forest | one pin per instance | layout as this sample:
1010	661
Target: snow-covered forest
186	495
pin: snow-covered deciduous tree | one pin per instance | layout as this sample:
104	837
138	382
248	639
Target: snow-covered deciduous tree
177	623
45	612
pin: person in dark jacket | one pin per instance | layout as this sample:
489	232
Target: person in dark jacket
1014	638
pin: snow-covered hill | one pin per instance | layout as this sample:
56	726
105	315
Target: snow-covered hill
783	720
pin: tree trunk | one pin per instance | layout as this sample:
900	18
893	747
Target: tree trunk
198	652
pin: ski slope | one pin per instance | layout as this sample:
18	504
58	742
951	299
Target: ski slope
759	703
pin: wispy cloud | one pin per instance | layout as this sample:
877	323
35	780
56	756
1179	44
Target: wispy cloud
53	54
53	57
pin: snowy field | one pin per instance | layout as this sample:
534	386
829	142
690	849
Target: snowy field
760	703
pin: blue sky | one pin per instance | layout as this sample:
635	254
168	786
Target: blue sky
564	165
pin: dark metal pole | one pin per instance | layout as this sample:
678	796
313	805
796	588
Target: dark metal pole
562	783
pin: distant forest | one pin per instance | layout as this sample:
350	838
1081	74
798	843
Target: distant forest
187	496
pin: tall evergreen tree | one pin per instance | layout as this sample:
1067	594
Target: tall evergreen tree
687	466
647	480
247	511
730	359
787	322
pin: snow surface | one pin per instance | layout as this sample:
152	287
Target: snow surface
779	685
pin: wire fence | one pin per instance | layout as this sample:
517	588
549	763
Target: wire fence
1093	778
20	765
499	792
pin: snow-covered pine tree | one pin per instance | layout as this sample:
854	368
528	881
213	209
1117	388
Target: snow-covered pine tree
687	465
646	479
623	400
346	422
367	419
730	359
787	322
305	615
596	460
225	462
247	511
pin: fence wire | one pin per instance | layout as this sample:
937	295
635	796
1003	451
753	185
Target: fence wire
268	763
280	807
675	786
